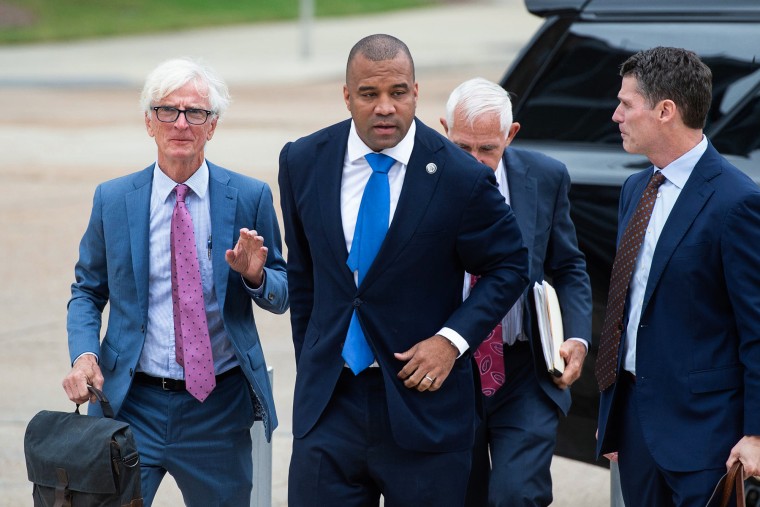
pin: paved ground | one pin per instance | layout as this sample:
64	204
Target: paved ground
70	119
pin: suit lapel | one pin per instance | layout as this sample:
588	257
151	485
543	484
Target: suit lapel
416	193
633	200
523	198
138	221
332	152
694	195
223	204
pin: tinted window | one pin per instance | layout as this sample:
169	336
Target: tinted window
574	97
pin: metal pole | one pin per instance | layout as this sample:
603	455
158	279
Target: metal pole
306	15
616	495
261	495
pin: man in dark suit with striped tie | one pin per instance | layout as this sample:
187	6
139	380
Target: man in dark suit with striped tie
679	355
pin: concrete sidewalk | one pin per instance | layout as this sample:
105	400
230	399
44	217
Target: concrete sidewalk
71	120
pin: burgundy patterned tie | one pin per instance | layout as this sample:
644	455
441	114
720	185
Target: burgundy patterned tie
489	357
191	340
622	269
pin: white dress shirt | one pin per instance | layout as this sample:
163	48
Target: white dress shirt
676	174
356	173
511	324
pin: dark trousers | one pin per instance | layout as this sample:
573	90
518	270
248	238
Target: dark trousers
642	481
350	457
519	432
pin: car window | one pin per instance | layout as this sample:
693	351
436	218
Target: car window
574	97
740	134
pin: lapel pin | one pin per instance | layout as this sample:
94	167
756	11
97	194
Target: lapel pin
431	168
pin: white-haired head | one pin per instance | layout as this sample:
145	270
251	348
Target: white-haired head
173	74
477	97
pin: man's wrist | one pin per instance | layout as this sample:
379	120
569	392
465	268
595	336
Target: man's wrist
456	340
256	289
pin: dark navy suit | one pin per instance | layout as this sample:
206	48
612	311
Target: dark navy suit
447	221
698	342
521	419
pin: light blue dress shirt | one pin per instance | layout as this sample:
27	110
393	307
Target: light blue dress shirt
676	174
158	357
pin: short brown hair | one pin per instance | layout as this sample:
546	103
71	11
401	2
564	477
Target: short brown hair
676	74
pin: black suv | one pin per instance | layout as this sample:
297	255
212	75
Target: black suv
564	86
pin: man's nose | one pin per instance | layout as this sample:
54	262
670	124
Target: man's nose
617	117
384	106
181	121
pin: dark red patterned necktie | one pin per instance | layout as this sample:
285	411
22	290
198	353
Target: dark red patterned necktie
489	357
622	269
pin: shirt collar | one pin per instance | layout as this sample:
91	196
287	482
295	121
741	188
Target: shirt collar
678	171
164	185
401	152
501	172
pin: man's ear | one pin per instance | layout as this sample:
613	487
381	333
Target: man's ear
513	130
667	110
346	97
445	125
148	126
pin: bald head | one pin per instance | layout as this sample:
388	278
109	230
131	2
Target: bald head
377	48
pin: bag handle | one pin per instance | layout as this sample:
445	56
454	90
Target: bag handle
104	403
734	481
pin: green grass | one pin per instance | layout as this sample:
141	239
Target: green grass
55	20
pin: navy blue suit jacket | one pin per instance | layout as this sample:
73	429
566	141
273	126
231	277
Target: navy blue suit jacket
113	267
698	343
447	221
538	191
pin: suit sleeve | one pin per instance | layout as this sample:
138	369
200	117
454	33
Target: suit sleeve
741	265
274	296
566	265
490	245
300	268
89	292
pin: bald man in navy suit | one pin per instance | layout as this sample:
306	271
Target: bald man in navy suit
403	426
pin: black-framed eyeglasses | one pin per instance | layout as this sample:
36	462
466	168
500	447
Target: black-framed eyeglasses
169	114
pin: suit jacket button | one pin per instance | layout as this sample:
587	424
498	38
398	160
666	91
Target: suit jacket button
357	303
270	296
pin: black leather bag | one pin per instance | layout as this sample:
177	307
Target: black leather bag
82	461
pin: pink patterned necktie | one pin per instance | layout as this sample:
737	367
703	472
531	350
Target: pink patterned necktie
489	357
192	344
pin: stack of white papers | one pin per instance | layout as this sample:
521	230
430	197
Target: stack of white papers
549	318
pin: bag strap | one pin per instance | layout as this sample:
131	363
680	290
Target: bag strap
105	405
734	482
62	494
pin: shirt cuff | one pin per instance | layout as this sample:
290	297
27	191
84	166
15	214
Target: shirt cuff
97	359
582	340
455	339
257	292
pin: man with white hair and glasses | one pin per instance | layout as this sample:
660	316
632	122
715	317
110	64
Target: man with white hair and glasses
180	250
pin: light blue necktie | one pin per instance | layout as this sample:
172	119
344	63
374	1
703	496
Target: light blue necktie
371	226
